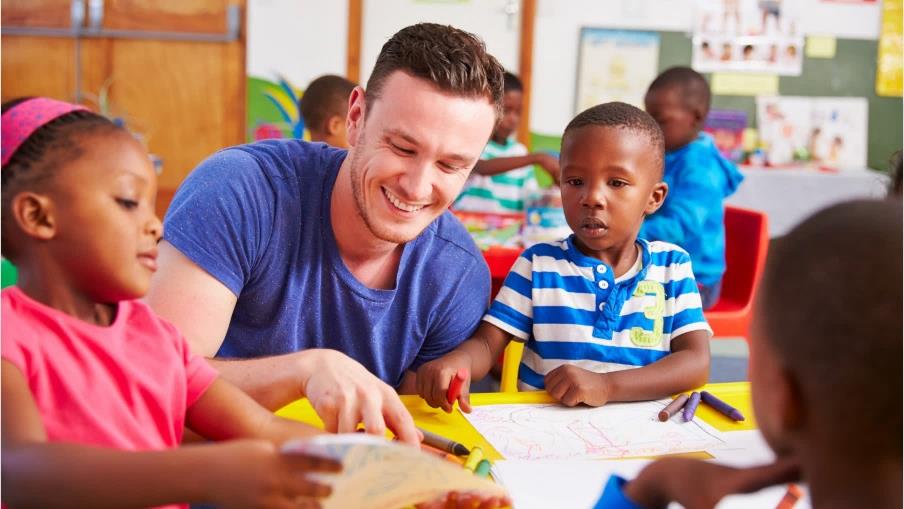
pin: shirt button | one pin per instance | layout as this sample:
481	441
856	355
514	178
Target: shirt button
604	284
601	269
602	306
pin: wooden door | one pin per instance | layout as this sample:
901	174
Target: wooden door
185	99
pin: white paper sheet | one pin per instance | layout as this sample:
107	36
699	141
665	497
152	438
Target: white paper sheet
617	430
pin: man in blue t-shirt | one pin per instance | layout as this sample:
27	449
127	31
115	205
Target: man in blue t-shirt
312	271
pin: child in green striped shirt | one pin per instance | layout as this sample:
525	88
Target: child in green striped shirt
503	180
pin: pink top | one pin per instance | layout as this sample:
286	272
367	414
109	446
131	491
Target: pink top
125	386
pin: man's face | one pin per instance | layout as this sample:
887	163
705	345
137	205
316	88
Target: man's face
412	152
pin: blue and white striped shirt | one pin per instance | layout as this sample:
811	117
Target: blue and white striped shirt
570	308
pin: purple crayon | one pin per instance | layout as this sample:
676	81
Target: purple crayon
691	406
723	407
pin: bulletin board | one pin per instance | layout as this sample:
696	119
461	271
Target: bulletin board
851	73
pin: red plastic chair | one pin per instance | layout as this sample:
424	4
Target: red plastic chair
746	244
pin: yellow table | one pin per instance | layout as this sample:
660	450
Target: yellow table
456	427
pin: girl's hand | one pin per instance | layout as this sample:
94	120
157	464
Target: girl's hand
466	500
254	473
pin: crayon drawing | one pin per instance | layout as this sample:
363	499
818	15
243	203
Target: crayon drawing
618	430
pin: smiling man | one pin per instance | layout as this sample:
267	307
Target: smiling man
306	270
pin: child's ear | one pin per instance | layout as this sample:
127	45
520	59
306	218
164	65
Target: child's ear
699	117
657	196
357	111
34	214
334	125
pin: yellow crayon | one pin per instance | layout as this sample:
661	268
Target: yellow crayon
474	458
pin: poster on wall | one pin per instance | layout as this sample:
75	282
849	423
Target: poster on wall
828	131
889	65
747	36
615	65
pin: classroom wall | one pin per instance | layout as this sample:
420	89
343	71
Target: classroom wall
496	21
851	73
300	39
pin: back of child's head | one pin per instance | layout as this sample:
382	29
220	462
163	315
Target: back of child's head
830	309
894	164
622	116
39	135
325	97
690	84
511	82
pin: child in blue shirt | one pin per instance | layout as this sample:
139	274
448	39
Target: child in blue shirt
699	178
605	316
820	354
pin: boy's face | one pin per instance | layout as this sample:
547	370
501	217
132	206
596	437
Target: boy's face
511	116
679	123
610	181
412	153
106	231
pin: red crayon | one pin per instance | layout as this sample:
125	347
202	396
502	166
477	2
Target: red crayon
455	385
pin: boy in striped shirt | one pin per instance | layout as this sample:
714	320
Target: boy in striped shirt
605	316
503	180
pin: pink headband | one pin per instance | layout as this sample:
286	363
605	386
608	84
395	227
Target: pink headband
20	121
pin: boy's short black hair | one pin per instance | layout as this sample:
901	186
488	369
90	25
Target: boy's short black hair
36	160
511	82
622	116
830	308
325	97
691	84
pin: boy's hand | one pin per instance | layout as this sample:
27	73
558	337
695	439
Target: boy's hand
697	484
572	386
434	377
253	473
548	163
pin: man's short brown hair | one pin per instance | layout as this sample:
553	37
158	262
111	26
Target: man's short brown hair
453	60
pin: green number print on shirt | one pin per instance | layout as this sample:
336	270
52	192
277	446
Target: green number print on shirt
642	337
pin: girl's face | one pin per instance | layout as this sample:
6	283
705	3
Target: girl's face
106	231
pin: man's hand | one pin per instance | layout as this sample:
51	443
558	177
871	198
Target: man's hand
434	377
572	386
252	473
697	484
344	393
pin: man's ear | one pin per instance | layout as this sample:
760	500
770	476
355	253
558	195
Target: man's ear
34	213
657	196
357	111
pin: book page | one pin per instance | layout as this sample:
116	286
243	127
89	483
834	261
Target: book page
613	431
382	474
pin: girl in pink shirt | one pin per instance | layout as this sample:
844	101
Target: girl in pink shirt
97	389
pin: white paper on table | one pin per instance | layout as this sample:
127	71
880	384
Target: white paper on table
617	430
377	473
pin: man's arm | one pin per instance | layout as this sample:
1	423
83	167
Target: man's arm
342	391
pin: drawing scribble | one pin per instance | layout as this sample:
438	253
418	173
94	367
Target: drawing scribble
617	430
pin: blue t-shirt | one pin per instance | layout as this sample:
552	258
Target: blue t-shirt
257	218
692	215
